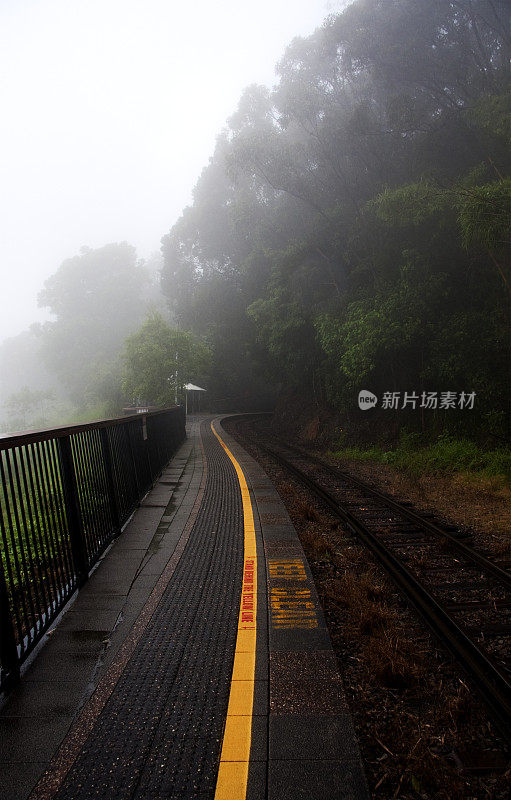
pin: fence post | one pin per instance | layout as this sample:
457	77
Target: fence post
145	437
133	462
8	649
74	517
112	491
182	427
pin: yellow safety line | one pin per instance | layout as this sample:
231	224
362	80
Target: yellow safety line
234	759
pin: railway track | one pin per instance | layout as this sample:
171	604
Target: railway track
464	597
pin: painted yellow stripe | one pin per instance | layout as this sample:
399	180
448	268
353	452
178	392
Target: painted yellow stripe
234	759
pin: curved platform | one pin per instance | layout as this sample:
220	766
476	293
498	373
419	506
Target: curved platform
195	663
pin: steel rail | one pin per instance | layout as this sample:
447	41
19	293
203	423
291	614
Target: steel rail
492	685
488	566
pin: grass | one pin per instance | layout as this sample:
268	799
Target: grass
446	455
391	660
33	527
302	507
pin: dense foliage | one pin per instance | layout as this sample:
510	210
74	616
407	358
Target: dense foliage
159	360
352	227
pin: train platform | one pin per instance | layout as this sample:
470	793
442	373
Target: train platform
195	662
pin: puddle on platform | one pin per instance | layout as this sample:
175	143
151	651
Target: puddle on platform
156	541
90	636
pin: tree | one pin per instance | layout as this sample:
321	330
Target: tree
353	223
23	406
21	364
97	297
159	360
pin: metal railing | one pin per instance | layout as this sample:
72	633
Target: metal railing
65	494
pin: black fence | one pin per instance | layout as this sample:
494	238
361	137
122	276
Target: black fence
65	494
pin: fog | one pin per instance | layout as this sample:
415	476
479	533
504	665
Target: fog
110	111
338	225
315	254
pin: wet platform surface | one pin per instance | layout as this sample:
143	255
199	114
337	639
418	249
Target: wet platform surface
132	695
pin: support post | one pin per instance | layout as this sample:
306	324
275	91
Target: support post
8	649
73	514
133	463
109	471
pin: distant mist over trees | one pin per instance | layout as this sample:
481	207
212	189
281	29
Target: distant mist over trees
24	379
97	299
352	227
351	231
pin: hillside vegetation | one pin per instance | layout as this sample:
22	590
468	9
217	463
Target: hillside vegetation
351	230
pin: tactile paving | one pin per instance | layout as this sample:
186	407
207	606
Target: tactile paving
160	732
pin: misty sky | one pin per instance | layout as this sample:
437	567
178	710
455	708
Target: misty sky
110	109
